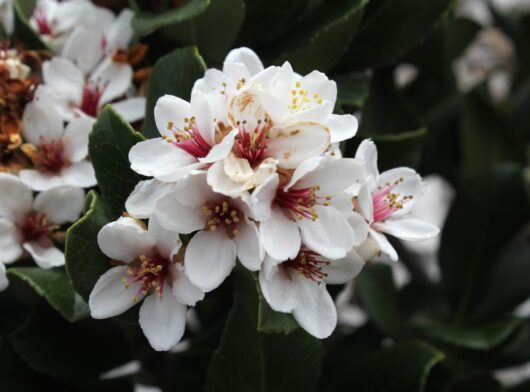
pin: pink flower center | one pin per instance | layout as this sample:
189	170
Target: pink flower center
252	145
43	24
385	202
189	138
150	272
36	226
50	156
301	202
222	214
90	101
309	264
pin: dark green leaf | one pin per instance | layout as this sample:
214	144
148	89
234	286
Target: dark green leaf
145	22
174	74
476	337
390	28
53	285
404	367
378	295
353	88
23	30
488	211
109	144
322	38
85	262
248	360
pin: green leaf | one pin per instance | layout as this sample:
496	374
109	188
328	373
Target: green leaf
322	38
53	285
378	295
23	30
174	74
390	28
83	350
213	39
488	211
404	367
353	88
85	262
145	22
270	321
248	360
109	144
476	337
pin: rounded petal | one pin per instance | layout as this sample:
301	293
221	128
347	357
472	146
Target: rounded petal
315	311
245	56
408	183
159	158
80	174
163	320
343	270
120	32
177	217
367	152
116	78
83	48
250	252
10	249
125	240
209	259
262	198
60	204
204	119
141	202
185	291
167	242
384	246
64	77
171	110
408	229
132	109
110	297
277	287
45	256
221	150
194	190
41	122
280	236
295	143
342	127
221	183
16	198
330	234
75	138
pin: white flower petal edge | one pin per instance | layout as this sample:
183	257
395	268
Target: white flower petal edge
3	278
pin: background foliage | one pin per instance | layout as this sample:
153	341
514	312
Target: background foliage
448	335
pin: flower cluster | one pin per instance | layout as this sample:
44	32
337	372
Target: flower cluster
49	101
250	170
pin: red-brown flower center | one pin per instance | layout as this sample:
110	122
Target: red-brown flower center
50	156
386	202
92	93
309	264
189	138
150	273
36	226
43	24
300	203
252	144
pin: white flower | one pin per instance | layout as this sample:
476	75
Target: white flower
385	200
7	16
149	271
89	43
190	140
298	209
298	286
141	201
55	20
74	93
27	224
224	230
3	278
59	153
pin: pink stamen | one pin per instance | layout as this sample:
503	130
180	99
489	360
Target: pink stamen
90	101
385	202
301	202
36	226
252	145
42	21
189	138
50	156
309	264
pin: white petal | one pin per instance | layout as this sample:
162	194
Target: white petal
163	320
141	202
3	278
368	153
244	56
64	77
209	259
41	122
317	82
120	32
329	235
16	198
359	226
115	77
75	138
343	270
409	184
277	288
167	242
280	236
171	109
221	183
185	291
408	229
193	190
262	198
384	246
366	203
341	127
159	158
304	169
221	150
10	249
315	311
132	109
125	240
60	204
83	48
204	119
295	143
45	256
110	297
249	249
177	217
